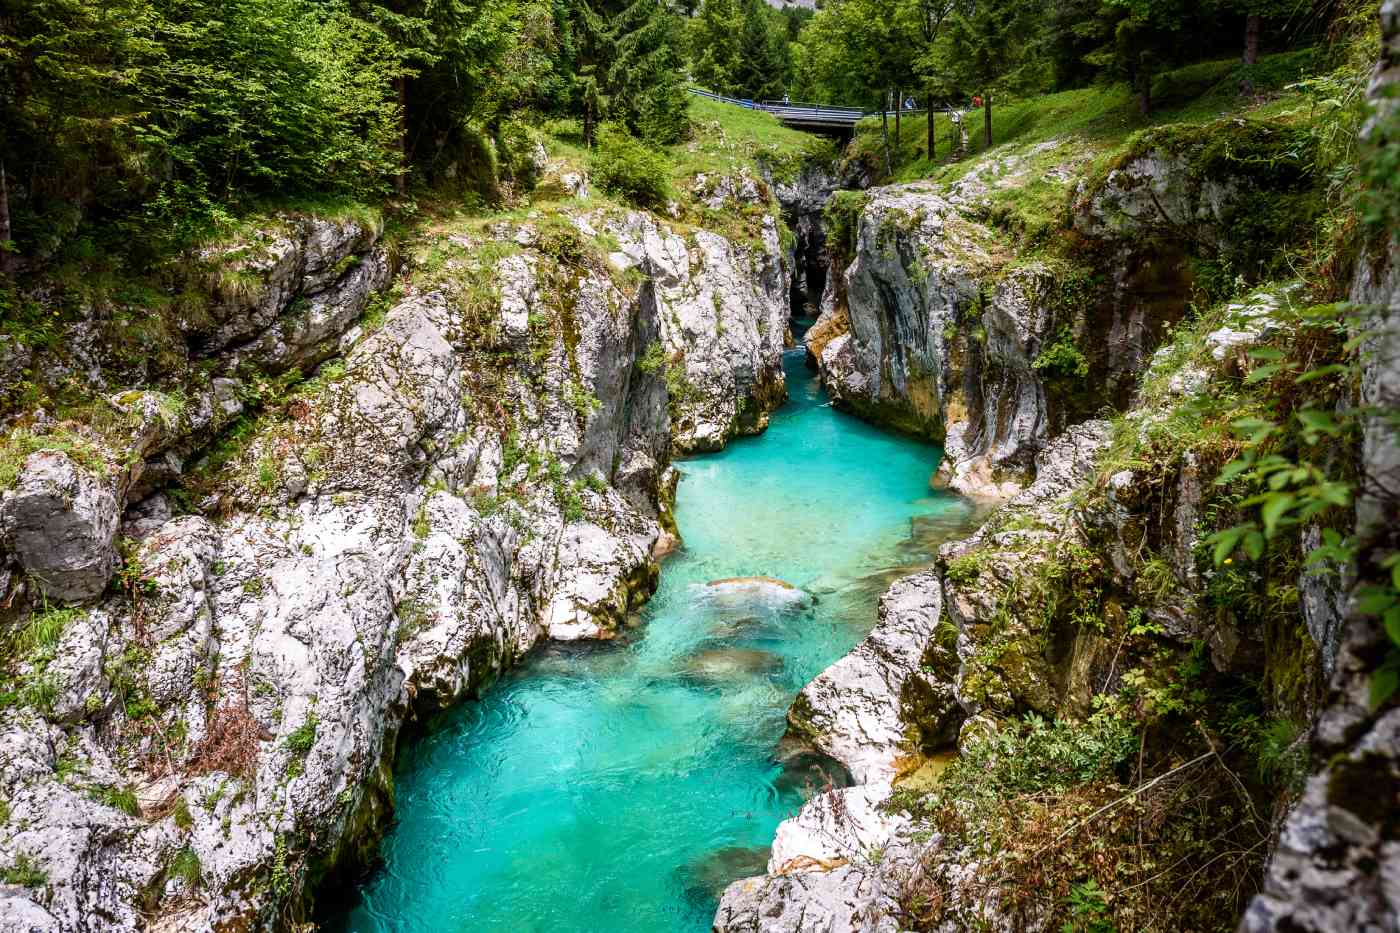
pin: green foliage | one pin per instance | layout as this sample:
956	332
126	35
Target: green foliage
180	814
653	360
964	568
1062	359
25	873
627	69
120	798
842	218
299	742
241	98
18	444
281	878
625	167
185	866
1088	909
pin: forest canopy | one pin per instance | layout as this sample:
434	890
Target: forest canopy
159	117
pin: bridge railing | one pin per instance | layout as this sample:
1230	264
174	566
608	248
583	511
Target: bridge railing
791	109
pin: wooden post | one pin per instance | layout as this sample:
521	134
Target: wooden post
987	119
898	109
885	132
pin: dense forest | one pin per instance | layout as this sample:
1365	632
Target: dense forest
162	116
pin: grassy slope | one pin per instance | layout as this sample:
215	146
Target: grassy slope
1101	116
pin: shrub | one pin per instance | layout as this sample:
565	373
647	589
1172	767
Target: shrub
1062	358
624	167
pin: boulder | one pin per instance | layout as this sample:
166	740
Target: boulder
60	522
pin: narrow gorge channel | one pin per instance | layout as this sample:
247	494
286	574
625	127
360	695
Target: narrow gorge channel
621	786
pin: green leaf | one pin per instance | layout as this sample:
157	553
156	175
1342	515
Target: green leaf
1254	545
1225	542
1275	509
1319	421
1265	353
1262	373
1391	622
1373	600
1321	371
1384	683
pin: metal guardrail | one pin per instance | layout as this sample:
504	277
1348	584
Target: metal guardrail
797	112
803	112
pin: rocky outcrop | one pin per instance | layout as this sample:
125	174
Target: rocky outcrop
483	468
941	331
309	276
853	710
723	323
947	340
60	523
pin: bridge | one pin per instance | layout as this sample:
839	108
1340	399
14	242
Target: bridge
815	118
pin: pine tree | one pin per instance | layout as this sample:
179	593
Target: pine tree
629	70
760	74
715	47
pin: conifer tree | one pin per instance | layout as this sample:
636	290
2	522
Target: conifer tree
760	74
715	47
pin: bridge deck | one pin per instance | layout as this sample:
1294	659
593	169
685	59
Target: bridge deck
818	118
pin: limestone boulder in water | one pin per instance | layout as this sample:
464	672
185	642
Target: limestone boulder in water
728	664
708	876
753	593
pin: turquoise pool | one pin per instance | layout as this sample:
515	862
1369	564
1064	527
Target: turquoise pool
618	787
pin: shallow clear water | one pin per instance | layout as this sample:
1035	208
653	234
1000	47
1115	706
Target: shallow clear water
620	786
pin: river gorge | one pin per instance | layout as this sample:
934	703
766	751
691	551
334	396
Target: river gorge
623	785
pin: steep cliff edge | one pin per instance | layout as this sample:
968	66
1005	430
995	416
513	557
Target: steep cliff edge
341	482
954	321
1111	695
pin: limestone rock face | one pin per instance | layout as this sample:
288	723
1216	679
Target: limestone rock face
852	710
60	522
459	486
323	271
935	328
722	313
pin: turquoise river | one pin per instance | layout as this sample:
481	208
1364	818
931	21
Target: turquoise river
620	786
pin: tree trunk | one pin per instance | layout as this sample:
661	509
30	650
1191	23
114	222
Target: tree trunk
401	182
1251	51
1143	79
885	132
987	119
898	108
6	257
932	133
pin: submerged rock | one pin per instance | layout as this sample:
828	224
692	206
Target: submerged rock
753	592
727	664
706	878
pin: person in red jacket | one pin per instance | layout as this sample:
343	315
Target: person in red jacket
976	101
